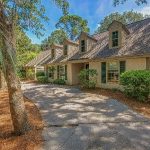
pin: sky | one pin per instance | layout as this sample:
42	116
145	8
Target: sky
92	10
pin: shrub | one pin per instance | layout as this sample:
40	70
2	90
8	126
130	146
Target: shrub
59	81
21	73
136	84
30	74
88	78
40	73
42	79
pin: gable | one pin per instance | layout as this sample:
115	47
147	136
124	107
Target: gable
88	40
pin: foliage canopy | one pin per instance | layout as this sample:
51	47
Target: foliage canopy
126	18
72	25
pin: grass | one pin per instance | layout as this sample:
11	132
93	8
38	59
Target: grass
32	139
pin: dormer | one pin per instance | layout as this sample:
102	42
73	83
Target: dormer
86	42
117	34
69	47
56	50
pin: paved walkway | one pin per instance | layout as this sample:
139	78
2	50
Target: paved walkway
82	121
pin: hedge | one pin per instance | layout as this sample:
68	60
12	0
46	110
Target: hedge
40	73
59	81
42	79
136	84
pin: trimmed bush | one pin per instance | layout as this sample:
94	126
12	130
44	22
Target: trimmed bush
136	84
42	79
40	73
88	78
59	81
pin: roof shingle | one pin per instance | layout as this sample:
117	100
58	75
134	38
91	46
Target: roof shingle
136	43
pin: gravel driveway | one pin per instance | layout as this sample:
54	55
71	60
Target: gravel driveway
80	121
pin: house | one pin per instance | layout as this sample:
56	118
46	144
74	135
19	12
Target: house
34	66
121	48
57	65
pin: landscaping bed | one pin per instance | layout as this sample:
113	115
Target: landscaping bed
32	139
141	107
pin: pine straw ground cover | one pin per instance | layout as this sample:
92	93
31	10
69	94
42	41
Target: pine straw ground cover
141	107
32	140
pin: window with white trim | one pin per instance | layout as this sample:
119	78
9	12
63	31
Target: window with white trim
113	71
115	39
82	45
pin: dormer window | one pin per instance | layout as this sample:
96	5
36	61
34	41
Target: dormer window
66	50
53	53
115	39
82	45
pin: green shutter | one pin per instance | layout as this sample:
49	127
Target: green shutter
103	72
65	72
57	72
122	66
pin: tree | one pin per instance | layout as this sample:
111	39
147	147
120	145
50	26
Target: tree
73	25
25	50
27	15
125	18
56	36
138	2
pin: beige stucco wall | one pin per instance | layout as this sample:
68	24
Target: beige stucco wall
115	26
148	63
135	64
69	74
89	42
74	70
96	66
72	49
131	64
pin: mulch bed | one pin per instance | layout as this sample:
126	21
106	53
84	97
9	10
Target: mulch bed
32	139
141	107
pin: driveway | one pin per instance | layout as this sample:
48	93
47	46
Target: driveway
81	121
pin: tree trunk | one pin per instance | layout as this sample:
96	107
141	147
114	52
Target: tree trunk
3	85
16	101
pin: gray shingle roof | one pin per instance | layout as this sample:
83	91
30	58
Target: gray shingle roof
136	43
41	57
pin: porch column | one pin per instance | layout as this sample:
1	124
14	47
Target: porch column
35	71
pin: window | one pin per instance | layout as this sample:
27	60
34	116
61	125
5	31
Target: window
115	39
82	45
103	72
113	72
53	53
66	72
62	72
51	72
122	66
65	50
